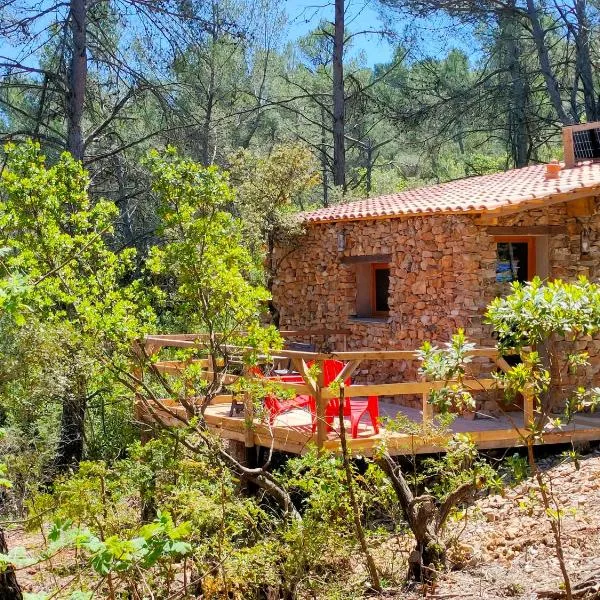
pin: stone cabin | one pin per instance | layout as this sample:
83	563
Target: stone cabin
417	265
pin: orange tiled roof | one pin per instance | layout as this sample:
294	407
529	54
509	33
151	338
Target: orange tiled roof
486	193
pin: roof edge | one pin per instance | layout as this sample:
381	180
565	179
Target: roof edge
507	209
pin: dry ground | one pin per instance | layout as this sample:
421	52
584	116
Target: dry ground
507	545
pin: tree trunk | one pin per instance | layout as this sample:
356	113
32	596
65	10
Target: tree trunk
77	79
369	173
206	126
429	555
425	520
517	118
9	586
324	165
539	37
72	426
339	147
584	61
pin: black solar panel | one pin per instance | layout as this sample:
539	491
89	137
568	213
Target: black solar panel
586	144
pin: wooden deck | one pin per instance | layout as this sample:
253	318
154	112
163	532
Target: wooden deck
291	432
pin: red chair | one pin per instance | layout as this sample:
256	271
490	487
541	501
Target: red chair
273	404
354	408
359	407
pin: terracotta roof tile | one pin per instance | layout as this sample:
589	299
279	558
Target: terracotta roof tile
486	193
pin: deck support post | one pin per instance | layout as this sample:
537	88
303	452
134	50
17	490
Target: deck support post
321	425
427	409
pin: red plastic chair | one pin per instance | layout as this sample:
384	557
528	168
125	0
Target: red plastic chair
273	404
359	407
354	408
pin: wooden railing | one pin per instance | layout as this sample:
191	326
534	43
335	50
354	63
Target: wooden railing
315	387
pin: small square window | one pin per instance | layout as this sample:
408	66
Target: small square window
372	288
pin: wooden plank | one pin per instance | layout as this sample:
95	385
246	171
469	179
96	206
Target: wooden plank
173	342
294	440
347	371
320	403
344	356
372	258
502	364
300	365
581	192
426	407
178	366
408	388
582	126
309	332
531	230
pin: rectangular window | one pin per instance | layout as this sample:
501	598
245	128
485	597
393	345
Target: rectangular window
380	287
515	258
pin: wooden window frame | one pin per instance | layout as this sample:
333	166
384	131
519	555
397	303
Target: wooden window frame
531	252
374	268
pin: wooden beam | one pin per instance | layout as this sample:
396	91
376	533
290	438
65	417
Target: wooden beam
550	200
316	332
320	403
568	147
427	409
583	126
408	388
344	356
531	230
372	258
502	364
302	368
347	371
584	207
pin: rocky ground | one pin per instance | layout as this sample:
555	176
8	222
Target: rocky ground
506	549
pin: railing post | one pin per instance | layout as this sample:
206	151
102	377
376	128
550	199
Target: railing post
427	408
320	405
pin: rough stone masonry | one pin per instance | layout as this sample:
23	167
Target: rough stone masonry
442	277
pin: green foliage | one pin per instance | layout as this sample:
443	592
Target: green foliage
217	280
74	316
234	545
535	311
460	464
551	316
518	468
56	238
448	365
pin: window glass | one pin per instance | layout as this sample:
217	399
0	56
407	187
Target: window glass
512	262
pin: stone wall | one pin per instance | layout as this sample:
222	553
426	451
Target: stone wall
442	277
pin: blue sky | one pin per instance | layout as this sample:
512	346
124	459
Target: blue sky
304	16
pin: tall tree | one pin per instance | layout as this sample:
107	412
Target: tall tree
56	238
339	105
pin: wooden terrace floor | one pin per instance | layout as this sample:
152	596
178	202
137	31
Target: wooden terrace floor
291	432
